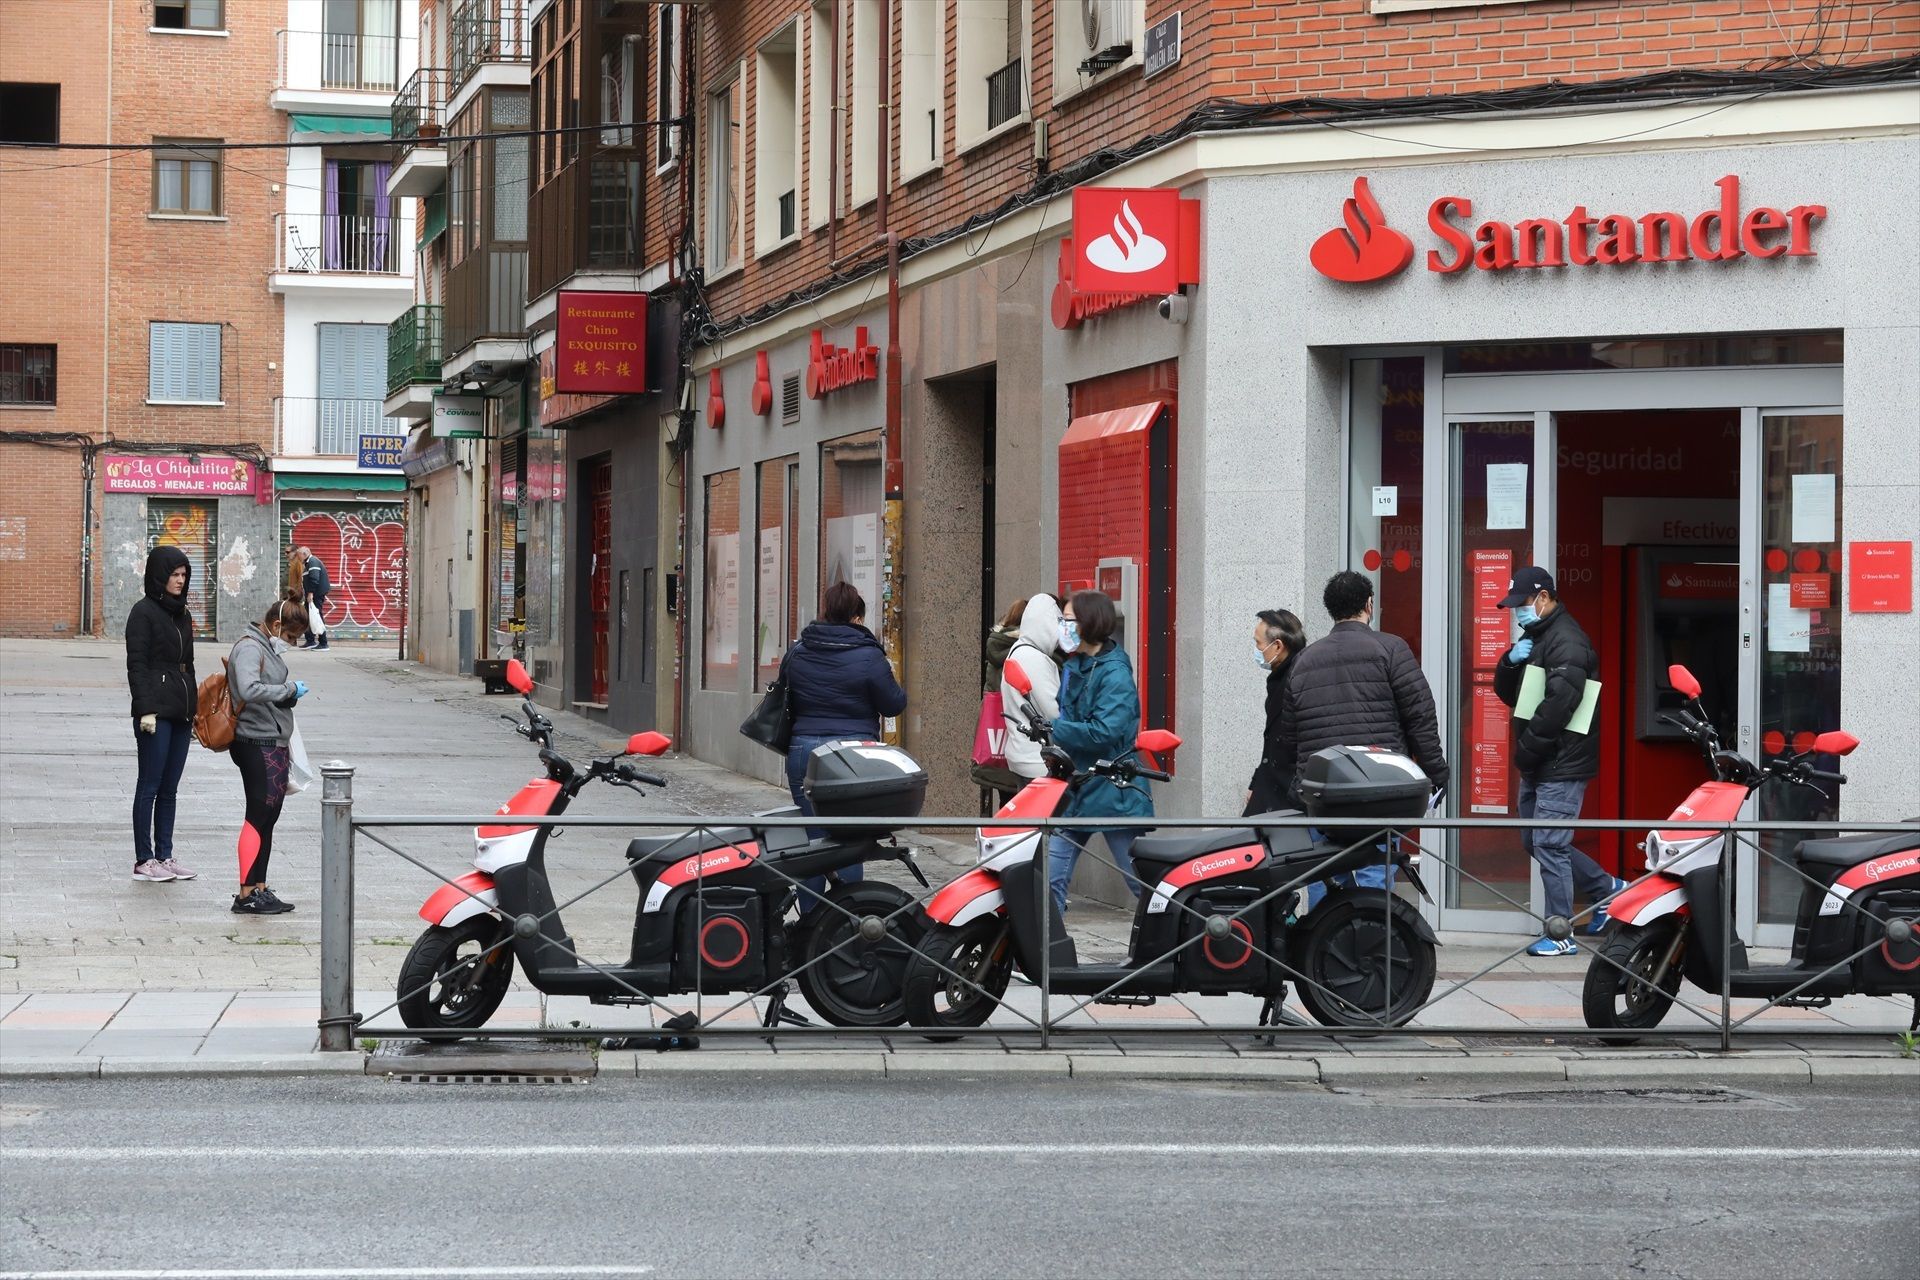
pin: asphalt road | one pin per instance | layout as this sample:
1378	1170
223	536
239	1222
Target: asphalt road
748	1176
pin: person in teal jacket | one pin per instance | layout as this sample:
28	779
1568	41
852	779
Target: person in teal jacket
1099	720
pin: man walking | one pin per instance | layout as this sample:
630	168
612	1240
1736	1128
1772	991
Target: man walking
315	584
1358	687
1555	748
1278	639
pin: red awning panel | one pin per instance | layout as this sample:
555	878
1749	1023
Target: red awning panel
1114	422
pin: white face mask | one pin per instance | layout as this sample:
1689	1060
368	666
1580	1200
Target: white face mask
279	645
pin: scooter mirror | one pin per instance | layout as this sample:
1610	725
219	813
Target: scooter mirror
517	678
1835	742
1157	741
1018	679
648	744
1682	680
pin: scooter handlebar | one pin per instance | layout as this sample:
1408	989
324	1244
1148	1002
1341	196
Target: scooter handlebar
1824	776
1153	775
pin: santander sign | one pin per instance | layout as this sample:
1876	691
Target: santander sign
1364	248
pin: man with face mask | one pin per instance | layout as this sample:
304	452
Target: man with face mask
1277	639
1555	761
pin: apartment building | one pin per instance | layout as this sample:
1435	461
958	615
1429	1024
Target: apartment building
1439	290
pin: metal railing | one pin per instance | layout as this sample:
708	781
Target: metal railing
1006	93
414	346
486	31
329	426
1351	993
419	109
345	61
352	243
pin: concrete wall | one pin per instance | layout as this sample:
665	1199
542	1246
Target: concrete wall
247	569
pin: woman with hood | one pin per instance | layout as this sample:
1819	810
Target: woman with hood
1000	641
1033	654
165	696
1099	720
263	694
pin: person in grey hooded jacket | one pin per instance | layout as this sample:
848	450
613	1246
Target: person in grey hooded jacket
263	693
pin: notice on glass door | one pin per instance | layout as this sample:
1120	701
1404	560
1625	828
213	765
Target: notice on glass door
1789	630
1507	495
1813	508
1488	754
1492	570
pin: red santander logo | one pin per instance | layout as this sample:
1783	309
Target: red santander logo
1365	248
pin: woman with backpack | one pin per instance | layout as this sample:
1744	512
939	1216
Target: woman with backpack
160	675
263	696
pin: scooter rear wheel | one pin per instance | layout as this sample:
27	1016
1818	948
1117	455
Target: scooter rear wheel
454	978
848	980
981	956
1365	961
1611	1000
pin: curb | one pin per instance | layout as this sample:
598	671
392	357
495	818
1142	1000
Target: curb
1697	1070
950	1065
1108	1067
634	1063
304	1064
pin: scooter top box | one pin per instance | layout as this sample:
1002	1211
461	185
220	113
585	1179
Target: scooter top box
851	779
1363	782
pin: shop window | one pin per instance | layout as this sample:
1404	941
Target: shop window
776	140
28	373
775	602
850	500
1387	445
720	615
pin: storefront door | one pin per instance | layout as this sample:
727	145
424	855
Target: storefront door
1690	515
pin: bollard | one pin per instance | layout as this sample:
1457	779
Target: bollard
336	906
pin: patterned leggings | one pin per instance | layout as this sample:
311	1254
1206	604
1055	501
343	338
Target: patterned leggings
263	772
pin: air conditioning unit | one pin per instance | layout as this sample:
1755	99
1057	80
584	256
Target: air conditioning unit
1107	29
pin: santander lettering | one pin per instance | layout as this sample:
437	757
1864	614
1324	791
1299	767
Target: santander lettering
830	368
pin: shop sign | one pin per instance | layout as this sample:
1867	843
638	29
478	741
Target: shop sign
459	417
382	452
829	368
1810	590
600	343
1699	582
208	475
556	405
1365	248
1129	245
1880	577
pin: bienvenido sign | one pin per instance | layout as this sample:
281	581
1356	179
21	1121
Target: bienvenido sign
830	368
1365	248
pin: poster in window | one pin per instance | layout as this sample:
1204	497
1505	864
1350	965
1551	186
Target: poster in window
723	600
772	640
1488	753
853	555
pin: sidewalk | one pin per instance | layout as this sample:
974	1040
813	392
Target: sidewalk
94	966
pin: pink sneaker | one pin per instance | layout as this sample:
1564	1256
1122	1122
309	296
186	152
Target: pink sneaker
180	872
154	871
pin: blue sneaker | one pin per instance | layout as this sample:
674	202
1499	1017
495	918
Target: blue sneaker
1548	947
1600	920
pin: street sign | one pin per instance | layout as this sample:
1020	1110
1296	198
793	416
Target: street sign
1162	45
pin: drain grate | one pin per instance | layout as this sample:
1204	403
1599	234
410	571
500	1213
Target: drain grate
431	1077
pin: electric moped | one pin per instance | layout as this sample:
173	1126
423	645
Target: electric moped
713	915
1667	925
1218	914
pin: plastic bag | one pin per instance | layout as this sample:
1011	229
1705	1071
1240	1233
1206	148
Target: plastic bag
299	768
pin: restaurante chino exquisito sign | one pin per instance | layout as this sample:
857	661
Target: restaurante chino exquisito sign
1366	248
600	343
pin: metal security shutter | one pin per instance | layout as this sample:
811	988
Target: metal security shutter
183	361
192	527
353	380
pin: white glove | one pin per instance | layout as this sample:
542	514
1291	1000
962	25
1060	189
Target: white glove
149	724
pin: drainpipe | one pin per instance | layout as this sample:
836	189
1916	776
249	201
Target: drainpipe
893	589
835	115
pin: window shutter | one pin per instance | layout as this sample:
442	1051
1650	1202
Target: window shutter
203	362
163	363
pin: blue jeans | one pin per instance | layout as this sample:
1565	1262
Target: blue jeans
1560	863
797	752
163	757
1374	875
1064	849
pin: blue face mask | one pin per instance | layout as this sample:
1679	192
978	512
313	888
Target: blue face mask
1525	615
1069	635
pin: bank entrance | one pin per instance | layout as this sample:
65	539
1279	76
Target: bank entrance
1685	493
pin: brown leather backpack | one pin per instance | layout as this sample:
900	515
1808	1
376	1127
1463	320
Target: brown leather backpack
217	715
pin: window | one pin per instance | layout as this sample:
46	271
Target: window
27	373
29	113
726	113
868	19
186	180
183	363
668	98
822	120
776	143
189	15
991	67
923	81
850	500
720	612
776	607
360	45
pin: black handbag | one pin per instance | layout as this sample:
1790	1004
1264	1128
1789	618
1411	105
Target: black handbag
771	724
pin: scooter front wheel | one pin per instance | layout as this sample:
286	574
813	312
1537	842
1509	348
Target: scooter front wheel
847	979
1621	991
454	978
960	975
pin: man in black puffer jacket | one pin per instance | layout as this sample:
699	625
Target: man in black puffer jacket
1555	761
1358	687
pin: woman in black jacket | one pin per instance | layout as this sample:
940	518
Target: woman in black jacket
165	695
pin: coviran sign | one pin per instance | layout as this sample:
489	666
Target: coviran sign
1365	248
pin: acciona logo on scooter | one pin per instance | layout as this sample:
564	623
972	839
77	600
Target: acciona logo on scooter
1896	867
694	866
1202	868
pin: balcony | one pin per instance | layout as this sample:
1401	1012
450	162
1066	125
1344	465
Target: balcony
413	361
486	34
344	72
419	120
332	427
486	311
1006	93
584	233
343	250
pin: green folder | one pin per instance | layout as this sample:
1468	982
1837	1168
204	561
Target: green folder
1533	687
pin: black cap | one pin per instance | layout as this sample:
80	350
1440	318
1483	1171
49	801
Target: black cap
1527	583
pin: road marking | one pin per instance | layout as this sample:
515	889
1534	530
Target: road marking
329	1273
672	1151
